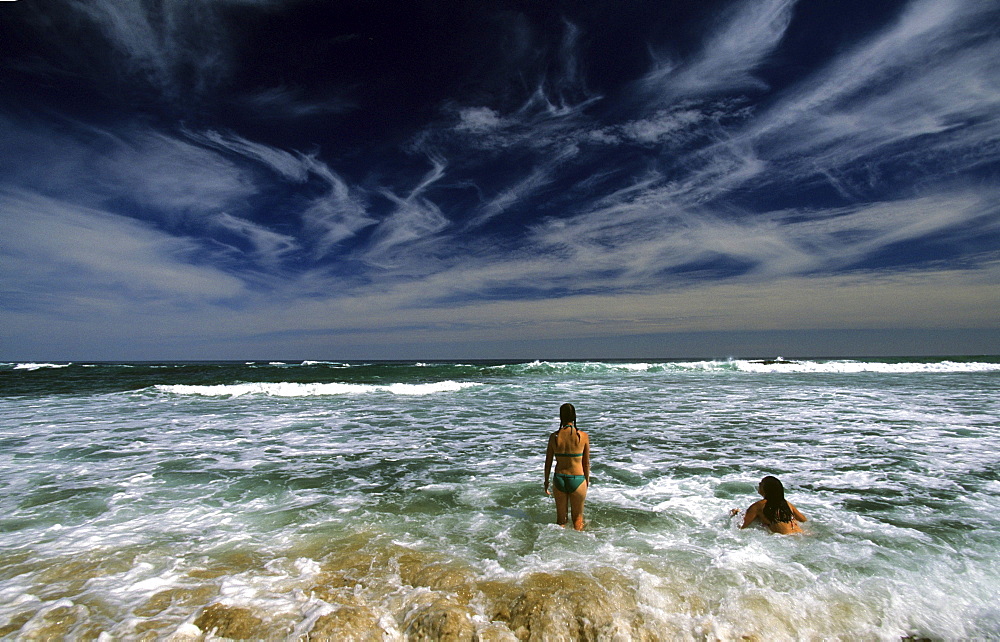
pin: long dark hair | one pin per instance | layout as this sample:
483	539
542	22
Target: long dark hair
776	508
567	417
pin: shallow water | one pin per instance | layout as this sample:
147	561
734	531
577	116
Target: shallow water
404	501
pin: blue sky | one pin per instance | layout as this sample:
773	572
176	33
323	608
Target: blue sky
264	179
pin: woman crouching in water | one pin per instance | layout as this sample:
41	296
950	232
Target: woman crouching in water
571	448
773	511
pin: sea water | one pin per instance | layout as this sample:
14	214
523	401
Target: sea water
393	501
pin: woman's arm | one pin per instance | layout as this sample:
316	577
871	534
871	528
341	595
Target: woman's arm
796	514
752	513
549	451
586	461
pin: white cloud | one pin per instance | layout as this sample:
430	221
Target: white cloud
646	257
334	217
96	166
414	220
168	174
182	47
645	236
54	250
165	40
663	126
269	247
922	93
478	120
929	81
546	119
538	178
740	44
293	167
917	299
284	102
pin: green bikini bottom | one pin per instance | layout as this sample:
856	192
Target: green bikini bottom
567	483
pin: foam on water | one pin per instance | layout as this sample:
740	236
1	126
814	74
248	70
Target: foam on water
313	389
763	366
847	366
281	509
39	366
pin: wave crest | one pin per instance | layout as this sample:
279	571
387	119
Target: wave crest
289	389
778	365
39	366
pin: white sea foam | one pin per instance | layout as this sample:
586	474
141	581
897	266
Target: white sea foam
164	494
778	365
39	366
848	367
289	389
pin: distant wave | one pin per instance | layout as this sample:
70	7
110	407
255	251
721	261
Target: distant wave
290	364
584	367
847	367
287	389
38	366
777	365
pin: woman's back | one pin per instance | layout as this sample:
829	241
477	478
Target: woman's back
568	445
784	527
774	511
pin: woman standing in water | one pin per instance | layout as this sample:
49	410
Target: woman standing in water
773	511
571	448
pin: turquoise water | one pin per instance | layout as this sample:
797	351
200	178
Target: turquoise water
404	500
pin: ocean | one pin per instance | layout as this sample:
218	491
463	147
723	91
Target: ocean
404	501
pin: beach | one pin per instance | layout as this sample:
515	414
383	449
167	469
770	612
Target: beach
403	500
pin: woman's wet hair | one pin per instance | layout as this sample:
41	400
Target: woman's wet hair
567	415
776	509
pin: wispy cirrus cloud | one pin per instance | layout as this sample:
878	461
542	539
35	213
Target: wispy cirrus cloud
53	248
175	46
334	216
414	221
740	43
285	103
540	176
191	181
293	167
478	120
650	238
672	222
268	247
337	213
166	175
693	196
930	80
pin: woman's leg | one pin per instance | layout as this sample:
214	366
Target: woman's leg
576	505
562	501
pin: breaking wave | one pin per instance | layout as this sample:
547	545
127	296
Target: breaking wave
288	389
777	365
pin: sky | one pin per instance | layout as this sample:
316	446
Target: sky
459	179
